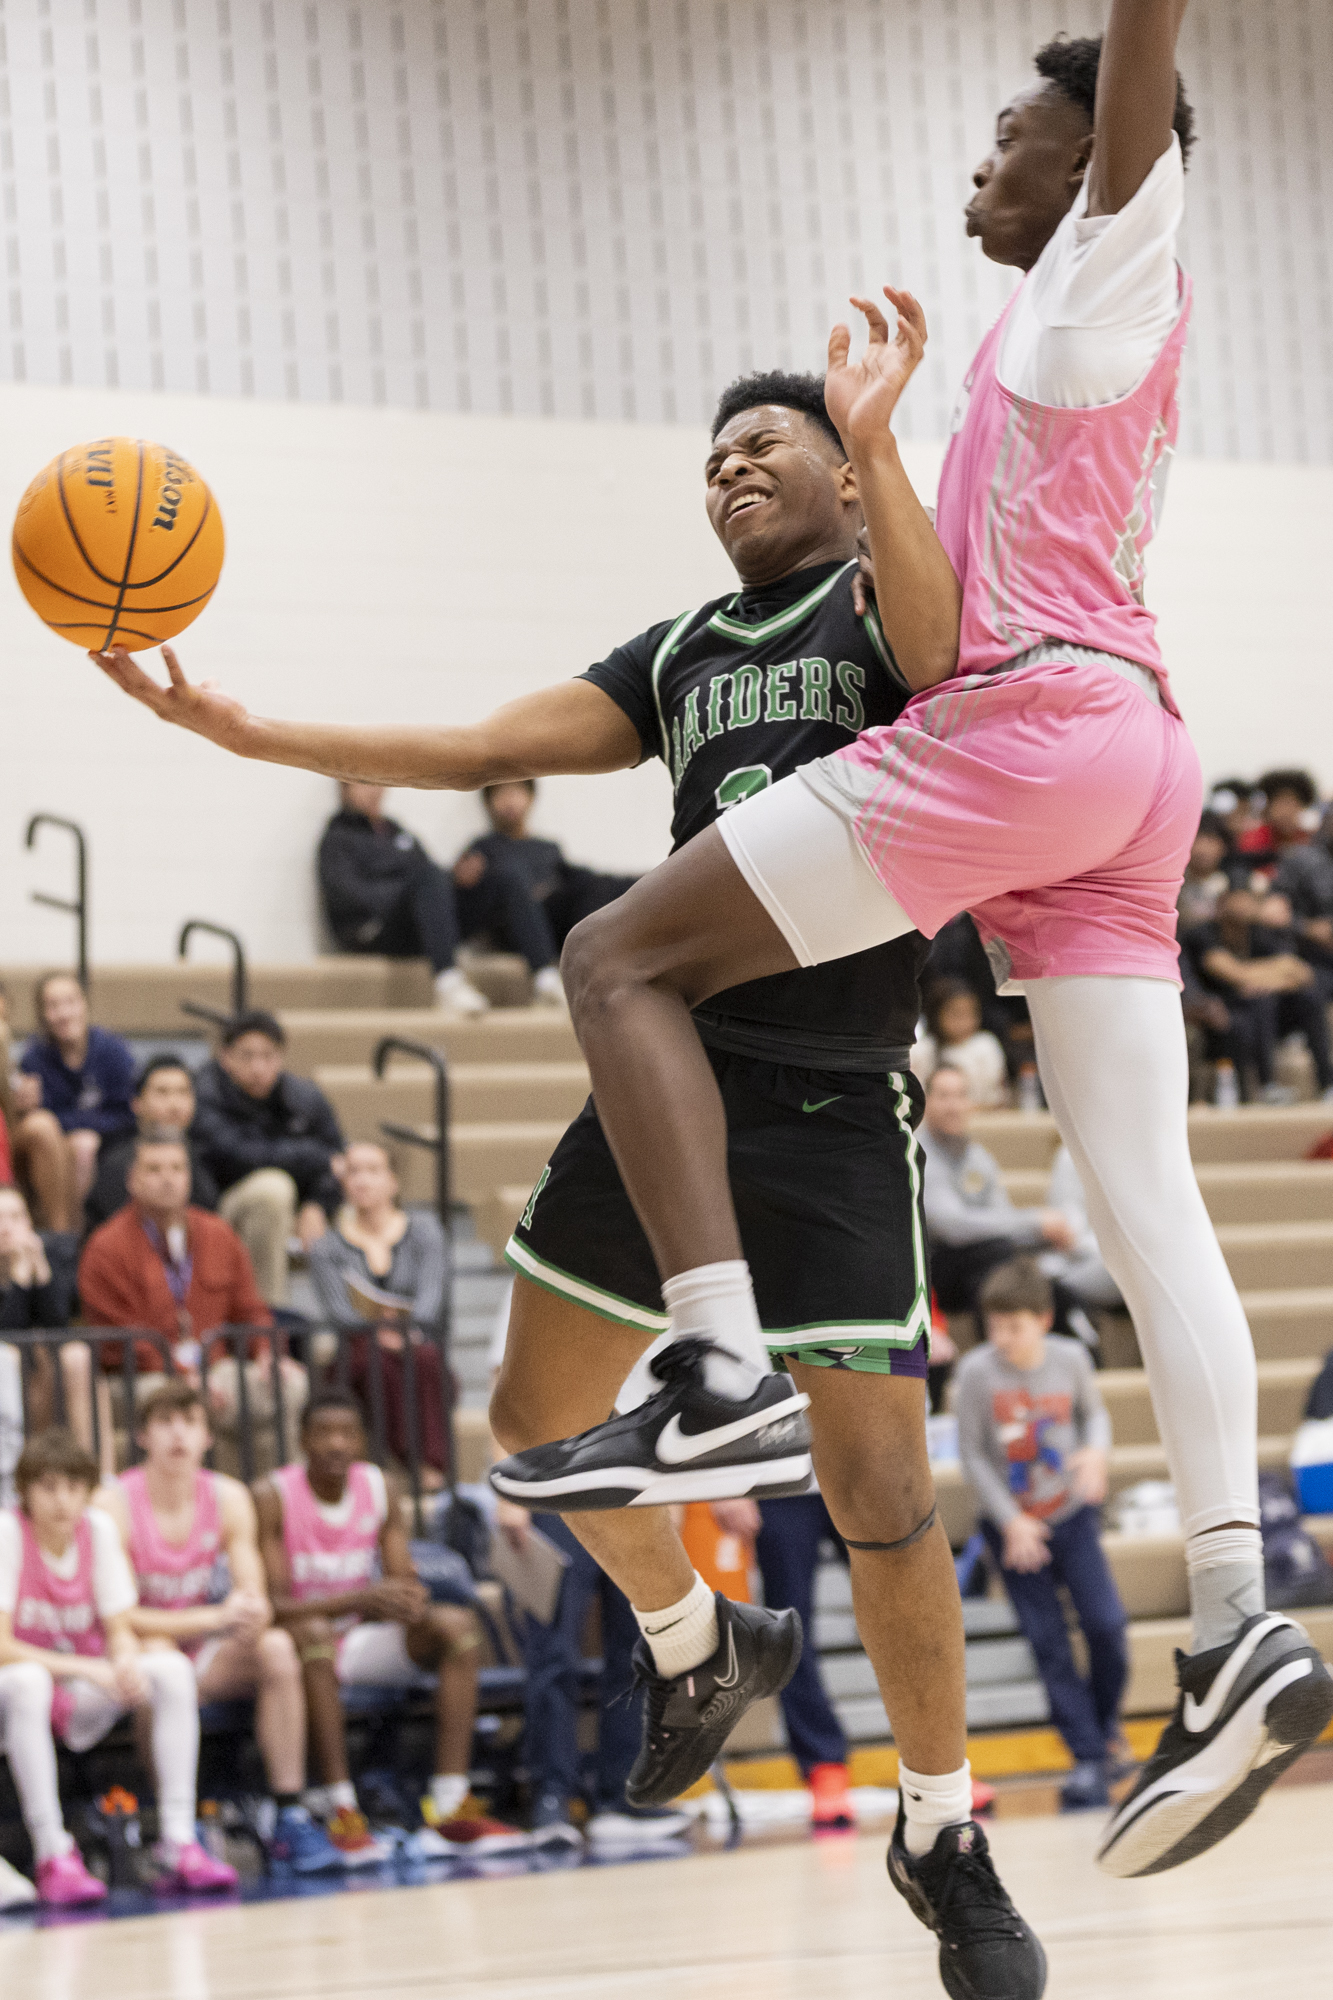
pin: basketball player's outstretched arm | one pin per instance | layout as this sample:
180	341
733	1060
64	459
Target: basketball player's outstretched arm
570	730
1136	99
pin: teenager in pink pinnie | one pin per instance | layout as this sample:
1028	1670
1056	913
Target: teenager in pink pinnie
70	1665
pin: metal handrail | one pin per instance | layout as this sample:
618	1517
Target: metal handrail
78	908
408	1135
360	1365
240	974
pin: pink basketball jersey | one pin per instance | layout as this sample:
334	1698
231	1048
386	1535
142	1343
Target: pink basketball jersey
1046	513
59	1616
174	1576
326	1557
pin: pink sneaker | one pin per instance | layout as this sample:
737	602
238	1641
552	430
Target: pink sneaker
192	1871
64	1881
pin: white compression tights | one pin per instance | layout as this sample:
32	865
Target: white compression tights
25	1717
1113	1064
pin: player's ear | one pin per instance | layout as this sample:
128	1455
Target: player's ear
846	483
1082	160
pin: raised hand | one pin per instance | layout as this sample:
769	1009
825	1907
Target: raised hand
861	395
201	708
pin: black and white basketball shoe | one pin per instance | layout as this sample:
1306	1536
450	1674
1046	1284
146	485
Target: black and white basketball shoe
688	1717
987	1951
1246	1711
683	1444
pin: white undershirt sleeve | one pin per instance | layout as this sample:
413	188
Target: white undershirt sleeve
1101	300
113	1586
11	1560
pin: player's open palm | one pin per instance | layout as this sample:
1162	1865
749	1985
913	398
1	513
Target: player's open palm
201	707
861	395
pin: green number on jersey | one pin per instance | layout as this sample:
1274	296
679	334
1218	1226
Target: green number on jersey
743	784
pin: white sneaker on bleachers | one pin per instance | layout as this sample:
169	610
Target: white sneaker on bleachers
456	994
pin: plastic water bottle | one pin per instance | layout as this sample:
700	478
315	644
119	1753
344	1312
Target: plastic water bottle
1226	1085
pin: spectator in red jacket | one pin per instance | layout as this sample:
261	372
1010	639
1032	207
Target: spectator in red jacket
164	1266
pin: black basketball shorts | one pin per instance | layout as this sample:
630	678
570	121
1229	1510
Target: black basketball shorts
826	1176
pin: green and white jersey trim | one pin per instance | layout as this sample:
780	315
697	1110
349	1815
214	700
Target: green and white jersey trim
757	635
782	621
660	658
608	1305
882	647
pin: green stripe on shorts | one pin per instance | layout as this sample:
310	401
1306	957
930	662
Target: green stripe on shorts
607	1305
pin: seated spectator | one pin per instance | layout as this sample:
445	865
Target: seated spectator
1035	1441
71	1666
1289	798
1207	875
956	952
1267	989
381	1268
1232	799
35	1151
522	892
1080	1268
383	893
342	1582
192	1543
80	1077
37	1291
954	1034
167	1268
1305	878
270	1140
163	1101
971	1222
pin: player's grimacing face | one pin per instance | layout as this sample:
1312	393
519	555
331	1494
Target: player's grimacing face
1027	183
776	491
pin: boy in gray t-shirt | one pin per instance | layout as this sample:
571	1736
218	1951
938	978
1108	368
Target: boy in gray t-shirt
1035	1440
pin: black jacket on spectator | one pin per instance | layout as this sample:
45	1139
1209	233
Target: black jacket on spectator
109	1194
363	871
1305	877
539	864
294	1128
1263	942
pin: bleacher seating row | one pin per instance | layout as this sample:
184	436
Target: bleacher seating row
516	1078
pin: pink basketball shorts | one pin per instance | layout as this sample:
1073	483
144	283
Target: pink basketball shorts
1057	802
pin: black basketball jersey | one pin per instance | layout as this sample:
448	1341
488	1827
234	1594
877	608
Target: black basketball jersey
733	697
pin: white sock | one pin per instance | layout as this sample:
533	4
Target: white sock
683	1635
175	1699
447	1793
932	1803
25	1711
1226	1573
715	1302
324	1800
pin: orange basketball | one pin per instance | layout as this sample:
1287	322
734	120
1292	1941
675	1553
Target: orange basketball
118	543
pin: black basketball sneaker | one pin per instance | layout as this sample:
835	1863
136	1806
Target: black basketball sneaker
1246	1711
682	1444
987	1951
689	1717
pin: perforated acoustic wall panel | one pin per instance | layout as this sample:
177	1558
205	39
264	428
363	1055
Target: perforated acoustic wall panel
602	208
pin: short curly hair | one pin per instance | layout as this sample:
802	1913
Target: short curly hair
778	385
1071	62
